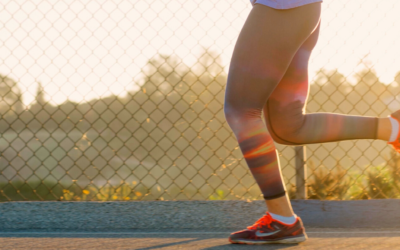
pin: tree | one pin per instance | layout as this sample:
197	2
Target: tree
40	95
10	96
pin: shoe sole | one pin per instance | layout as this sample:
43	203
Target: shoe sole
287	240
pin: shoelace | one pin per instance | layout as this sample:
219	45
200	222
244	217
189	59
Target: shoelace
263	221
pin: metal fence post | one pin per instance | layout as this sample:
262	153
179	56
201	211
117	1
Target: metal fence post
301	172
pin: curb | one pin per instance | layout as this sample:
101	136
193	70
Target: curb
130	215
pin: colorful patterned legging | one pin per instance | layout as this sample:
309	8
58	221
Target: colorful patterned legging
268	72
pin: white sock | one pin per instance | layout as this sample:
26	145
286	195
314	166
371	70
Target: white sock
395	129
284	219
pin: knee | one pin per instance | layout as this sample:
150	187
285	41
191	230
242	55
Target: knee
230	113
233	114
237	116
285	122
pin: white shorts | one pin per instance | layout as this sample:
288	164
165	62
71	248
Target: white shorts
284	4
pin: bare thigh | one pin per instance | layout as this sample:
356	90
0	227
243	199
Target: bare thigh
264	50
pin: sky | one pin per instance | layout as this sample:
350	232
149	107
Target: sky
85	49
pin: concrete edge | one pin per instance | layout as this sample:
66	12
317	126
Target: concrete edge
133	215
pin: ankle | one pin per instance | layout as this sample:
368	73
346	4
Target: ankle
280	206
284	219
384	129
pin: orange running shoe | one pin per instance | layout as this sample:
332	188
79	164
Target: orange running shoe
267	230
396	143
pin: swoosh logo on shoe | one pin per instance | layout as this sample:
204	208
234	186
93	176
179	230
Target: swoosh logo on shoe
259	234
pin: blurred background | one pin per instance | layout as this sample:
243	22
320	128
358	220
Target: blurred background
123	100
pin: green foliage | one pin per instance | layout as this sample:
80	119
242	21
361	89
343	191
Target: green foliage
377	182
357	190
219	195
328	185
106	193
380	183
393	163
383	180
48	190
53	191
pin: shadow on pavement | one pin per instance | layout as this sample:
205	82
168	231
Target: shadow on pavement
189	240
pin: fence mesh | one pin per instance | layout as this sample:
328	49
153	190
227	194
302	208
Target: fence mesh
123	100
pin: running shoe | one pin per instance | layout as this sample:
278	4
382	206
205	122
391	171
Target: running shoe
267	230
396	143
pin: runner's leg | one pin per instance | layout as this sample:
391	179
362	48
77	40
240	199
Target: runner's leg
265	48
285	116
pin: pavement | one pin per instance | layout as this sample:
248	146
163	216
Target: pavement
326	238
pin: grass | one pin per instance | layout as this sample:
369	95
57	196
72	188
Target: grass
53	191
377	182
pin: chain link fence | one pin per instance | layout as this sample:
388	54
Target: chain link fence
123	100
